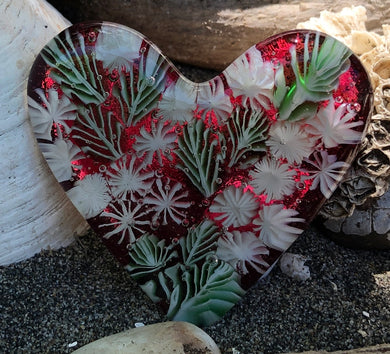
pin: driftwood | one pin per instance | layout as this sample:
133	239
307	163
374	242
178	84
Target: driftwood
35	213
209	33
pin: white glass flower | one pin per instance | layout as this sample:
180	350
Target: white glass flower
275	230
252	78
125	218
273	178
328	172
125	177
59	157
90	195
334	127
54	110
117	48
242	248
213	100
156	142
235	207
178	102
289	141
167	201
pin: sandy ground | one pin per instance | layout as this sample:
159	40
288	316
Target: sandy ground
60	300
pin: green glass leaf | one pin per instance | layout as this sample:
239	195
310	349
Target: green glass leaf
75	71
198	152
142	97
318	77
199	242
100	132
149	255
247	131
205	294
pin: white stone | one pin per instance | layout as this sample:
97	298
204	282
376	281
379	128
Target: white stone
159	338
294	266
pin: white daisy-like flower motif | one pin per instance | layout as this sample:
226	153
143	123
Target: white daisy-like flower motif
168	200
90	195
212	99
117	48
289	141
59	157
178	102
54	110
126	219
328	172
334	127
275	230
273	178
156	142
235	207
242	248
125	177
252	78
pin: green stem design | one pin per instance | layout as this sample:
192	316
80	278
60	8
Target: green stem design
205	294
200	289
199	243
198	153
98	134
142	96
320	76
149	255
247	133
69	69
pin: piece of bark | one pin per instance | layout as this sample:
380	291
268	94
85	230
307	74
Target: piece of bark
211	34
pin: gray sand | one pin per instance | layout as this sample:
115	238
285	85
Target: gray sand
80	294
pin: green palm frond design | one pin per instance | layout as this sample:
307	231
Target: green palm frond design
198	294
149	255
205	294
247	132
319	76
143	94
76	72
199	243
199	153
99	132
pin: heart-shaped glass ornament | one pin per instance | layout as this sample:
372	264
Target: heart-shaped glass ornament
197	188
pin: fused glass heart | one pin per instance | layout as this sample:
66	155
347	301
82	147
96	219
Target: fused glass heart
197	188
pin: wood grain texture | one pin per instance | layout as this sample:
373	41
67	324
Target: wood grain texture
35	213
211	34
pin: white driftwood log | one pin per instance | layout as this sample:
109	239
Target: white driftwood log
212	33
34	211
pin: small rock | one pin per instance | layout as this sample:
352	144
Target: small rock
159	338
293	266
364	334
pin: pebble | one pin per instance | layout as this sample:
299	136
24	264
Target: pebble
158	338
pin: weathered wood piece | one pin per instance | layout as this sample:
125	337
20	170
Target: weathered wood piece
34	211
208	33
